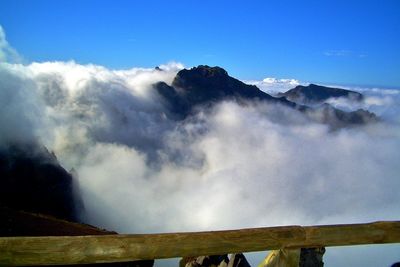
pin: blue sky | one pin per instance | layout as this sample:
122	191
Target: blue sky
341	42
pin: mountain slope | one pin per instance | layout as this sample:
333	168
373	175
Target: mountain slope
315	94
31	179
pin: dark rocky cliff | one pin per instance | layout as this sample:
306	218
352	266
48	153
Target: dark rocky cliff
32	179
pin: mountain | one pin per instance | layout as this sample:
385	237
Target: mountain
31	179
337	118
316	94
204	85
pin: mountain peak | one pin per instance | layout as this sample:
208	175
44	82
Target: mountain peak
206	71
204	83
200	74
210	71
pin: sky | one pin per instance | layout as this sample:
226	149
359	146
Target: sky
341	42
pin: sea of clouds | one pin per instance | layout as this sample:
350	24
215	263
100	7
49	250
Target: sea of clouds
232	166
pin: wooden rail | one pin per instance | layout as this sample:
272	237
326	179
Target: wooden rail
119	248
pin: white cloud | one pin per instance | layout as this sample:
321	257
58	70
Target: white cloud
274	85
383	102
7	52
232	166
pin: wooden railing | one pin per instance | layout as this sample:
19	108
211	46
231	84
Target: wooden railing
26	251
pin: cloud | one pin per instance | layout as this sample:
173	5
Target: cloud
230	166
274	85
344	53
383	102
7	52
338	53
20	106
239	167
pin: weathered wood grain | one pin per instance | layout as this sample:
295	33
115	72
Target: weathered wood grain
118	248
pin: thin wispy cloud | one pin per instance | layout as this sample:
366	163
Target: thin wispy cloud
7	52
343	53
337	53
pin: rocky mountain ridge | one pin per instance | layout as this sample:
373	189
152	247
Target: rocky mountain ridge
206	86
317	94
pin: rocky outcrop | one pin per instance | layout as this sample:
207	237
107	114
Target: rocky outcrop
312	257
235	260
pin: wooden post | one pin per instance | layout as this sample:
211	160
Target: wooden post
119	248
